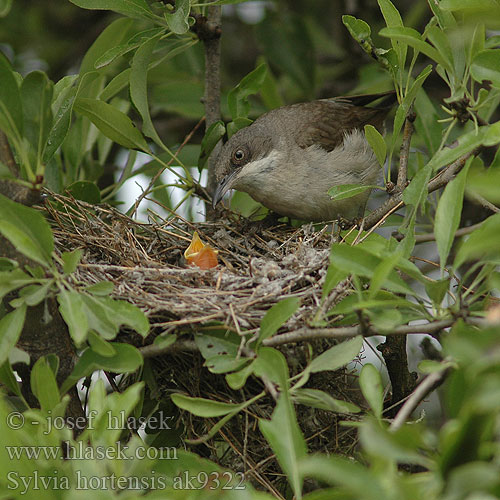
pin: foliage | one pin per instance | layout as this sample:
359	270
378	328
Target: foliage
64	133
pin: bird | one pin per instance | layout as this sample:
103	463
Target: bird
289	157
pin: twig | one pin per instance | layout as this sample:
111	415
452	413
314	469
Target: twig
480	200
405	152
423	238
343	332
428	384
439	181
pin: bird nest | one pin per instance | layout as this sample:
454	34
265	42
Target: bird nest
258	267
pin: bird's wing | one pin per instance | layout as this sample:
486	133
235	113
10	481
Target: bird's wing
326	126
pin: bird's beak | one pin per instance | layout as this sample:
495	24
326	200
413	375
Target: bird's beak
223	187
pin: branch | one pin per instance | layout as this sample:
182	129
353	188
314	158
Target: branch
344	332
404	153
403	381
428	384
423	238
439	181
209	32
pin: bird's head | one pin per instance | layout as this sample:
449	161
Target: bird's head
242	159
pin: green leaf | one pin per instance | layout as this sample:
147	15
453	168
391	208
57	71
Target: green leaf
60	124
127	359
178	21
237	98
352	477
139	85
132	43
72	309
416	192
238	379
32	295
271	364
11	326
27	230
393	19
212	136
402	447
269	92
100	346
237	124
358	29
466	143
436	290
112	123
348	190
382	272
414	89
204	407
8	379
11	280
372	388
180	96
363	263
224	363
101	288
377	143
333	277
486	66
114	34
71	260
484	242
11	110
414	39
85	191
36	94
216	343
448	213
276	316
337	356
44	385
426	123
106	315
323	401
132	8
283	433
439	39
5	6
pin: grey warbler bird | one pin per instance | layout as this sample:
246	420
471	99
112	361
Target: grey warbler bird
291	156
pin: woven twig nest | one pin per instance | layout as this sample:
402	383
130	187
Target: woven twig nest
258	267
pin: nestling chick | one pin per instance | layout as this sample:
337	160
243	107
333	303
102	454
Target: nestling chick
290	157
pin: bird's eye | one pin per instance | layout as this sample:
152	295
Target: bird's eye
239	155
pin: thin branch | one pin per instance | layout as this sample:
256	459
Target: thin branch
404	153
209	32
428	384
439	181
344	332
480	200
423	238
